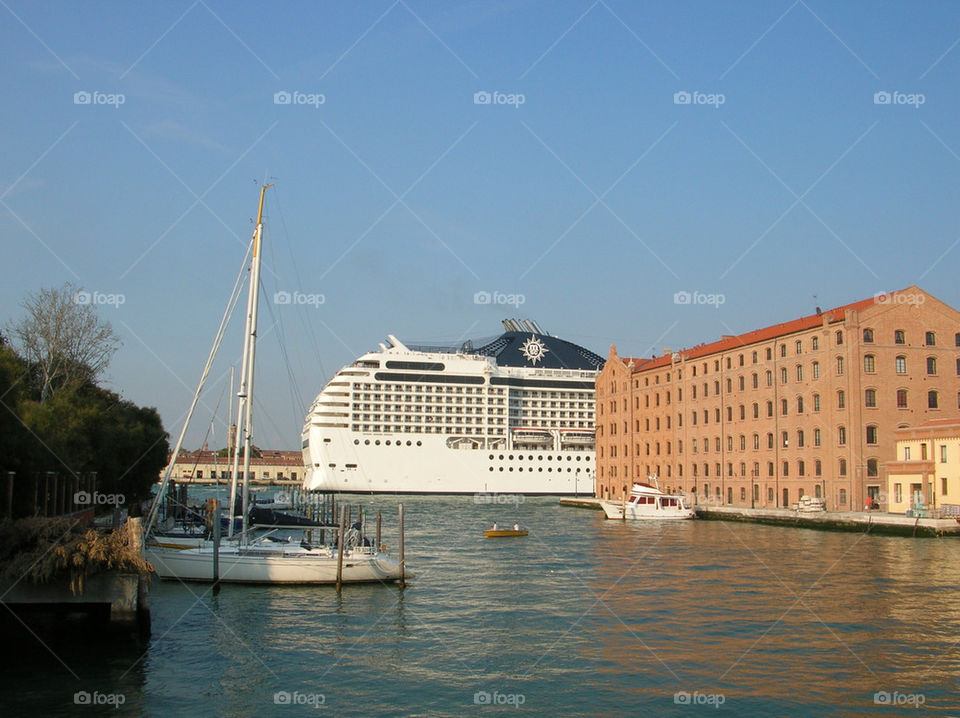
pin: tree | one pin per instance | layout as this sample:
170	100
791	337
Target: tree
64	339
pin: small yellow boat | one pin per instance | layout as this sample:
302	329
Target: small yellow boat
503	533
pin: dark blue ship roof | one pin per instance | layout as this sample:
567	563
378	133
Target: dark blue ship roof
525	344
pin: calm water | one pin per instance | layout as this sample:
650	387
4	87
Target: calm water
584	617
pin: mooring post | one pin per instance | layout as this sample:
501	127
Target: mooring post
403	568
623	508
215	513
10	475
343	518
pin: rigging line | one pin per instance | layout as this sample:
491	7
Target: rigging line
221	331
296	397
309	329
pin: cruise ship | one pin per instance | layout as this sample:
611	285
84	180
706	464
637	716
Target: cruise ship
509	415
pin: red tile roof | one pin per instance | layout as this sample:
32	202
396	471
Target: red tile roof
837	314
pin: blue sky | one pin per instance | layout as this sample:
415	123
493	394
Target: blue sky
398	197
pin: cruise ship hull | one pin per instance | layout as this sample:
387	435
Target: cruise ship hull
425	465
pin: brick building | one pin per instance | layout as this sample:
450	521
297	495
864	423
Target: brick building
204	466
807	407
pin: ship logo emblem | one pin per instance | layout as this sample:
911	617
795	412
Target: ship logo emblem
533	350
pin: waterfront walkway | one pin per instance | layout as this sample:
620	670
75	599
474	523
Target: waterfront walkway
861	521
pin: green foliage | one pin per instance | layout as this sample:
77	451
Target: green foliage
77	430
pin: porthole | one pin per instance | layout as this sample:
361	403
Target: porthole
578	458
549	469
419	443
491	457
491	468
366	442
510	457
530	457
511	468
356	441
540	469
501	457
501	468
387	442
520	469
377	442
408	442
540	458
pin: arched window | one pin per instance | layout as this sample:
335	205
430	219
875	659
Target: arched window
799	346
839	337
901	398
756	441
839	366
816	370
842	435
869	364
783	407
933	400
901	364
872	434
770	440
816	343
930	339
816	402
756	410
931	365
870	398
799	372
843	468
799	438
841	399
868	336
756	383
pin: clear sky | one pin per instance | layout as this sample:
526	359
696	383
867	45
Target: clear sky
589	186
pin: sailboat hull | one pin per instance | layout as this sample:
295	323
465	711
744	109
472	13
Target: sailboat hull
309	566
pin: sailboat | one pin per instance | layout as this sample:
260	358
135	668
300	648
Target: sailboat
261	561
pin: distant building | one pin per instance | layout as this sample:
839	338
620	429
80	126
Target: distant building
807	407
925	475
272	465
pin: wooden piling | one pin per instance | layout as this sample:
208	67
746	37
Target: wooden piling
403	568
215	512
343	516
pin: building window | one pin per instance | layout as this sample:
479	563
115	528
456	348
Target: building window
756	441
906	453
769	495
799	404
756	379
923	452
870	398
943	453
783	350
769	408
873	468
868	336
816	370
843	497
842	436
818	468
839	337
816	402
756	410
816	437
930	339
741	383
769	378
743	412
783	375
799	346
769	468
872	434
816	343
931	365
901	363
843	469
901	398
802	469
783	407
785	439
869	364
799	372
958	366
786	469
932	400
841	399
770	440
839	366
799	438
943	485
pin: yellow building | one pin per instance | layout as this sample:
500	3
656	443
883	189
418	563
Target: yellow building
925	477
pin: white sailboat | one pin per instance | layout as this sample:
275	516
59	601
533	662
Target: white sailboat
260	561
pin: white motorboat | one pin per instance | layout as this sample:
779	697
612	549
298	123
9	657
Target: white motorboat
648	502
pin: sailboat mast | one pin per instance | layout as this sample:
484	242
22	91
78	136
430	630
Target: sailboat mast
252	352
